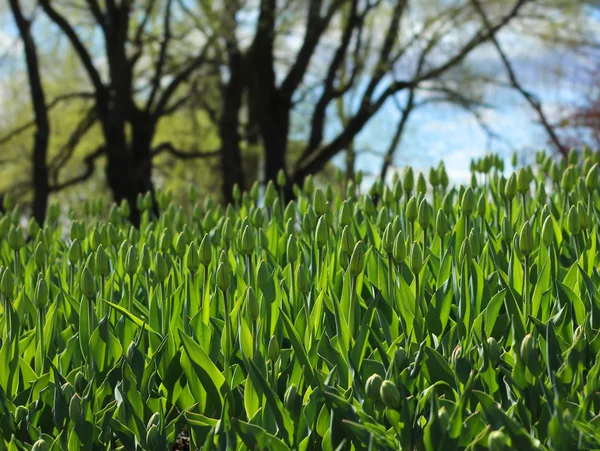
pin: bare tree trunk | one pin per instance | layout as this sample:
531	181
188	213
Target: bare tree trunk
42	133
231	154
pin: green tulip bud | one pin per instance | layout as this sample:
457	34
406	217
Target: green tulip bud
573	157
321	233
383	218
592	179
281	178
584	219
399	249
102	262
569	179
498	441
15	238
223	277
7	284
387	240
468	202
292	249
547	232
131	261
302	281
466	253
434	177
481	205
319	202
388	196
192	259
528	351
416	258
160	267
40	296
357	260
88	283
409	180
205	251
441	224
247	243
32	227
21	413
75	408
263	276
421	184
526	241
75	252
412	210
444	180
522	181
390	395
424	216
573	220
270	193
345	215
373	386
40	445
510	189
290	398
347	241
152	437
273	349
252	305
397	190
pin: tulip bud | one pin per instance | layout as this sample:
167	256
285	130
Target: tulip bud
7	284
434	177
412	209
290	212
494	351
397	190
416	258
205	251
498	441
273	349
441	224
510	189
262	275
357	260
387	241
468	202
160	268
522	181
319	202
345	215
223	277
573	220
347	241
383	218
152	437
592	180
424	216
481	205
547	232
21	413
79	382
88	283
444	180
373	386
75	408
569	179
528	350
526	242
506	230
281	178
131	261
584	219
102	262
399	250
40	296
40	445
247	243
15	238
302	281
192	259
290	398
32	227
409	180
321	233
573	157
252	305
465	253
421	184
390	395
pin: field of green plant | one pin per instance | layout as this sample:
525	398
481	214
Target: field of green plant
415	316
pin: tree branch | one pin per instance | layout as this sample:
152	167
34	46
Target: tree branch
89	161
529	97
190	155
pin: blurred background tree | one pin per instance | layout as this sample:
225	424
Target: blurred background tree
166	93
